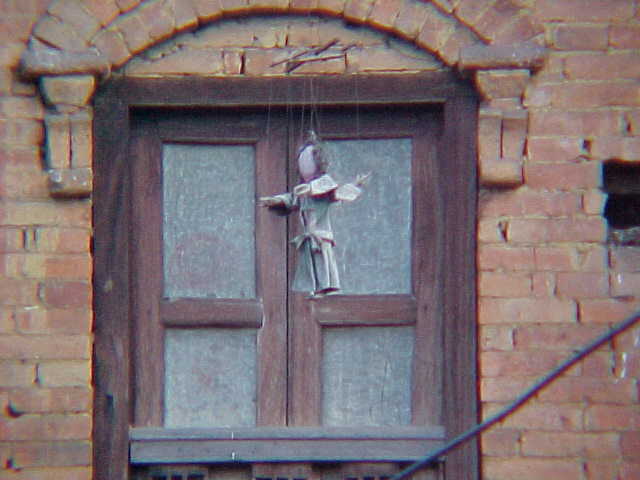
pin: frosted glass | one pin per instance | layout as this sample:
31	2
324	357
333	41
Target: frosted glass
373	234
367	376
209	221
210	378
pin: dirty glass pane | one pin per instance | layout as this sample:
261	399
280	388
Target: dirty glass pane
366	375
210	378
373	234
209	216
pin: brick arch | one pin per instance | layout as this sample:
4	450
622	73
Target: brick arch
76	41
114	31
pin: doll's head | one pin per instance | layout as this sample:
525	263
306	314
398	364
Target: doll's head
312	159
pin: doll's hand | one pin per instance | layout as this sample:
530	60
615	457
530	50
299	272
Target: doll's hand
269	202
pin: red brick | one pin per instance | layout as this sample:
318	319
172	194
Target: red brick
18	291
630	445
491	257
75	373
582	285
629	470
502	389
22	107
52	473
493	284
68	267
502	83
518	364
7	321
112	45
470	11
601	470
625	259
436	29
624	36
24	157
77	17
158	20
625	284
547	417
599	364
60	34
14	374
543	285
410	19
491	230
601	94
51	454
500	443
555	444
184	14
581	37
558	176
104	10
556	149
627	363
619	148
600	66
44	347
629	340
556	230
605	311
532	469
612	417
22	132
66	294
357	10
556	337
47	427
584	10
71	214
23	183
560	123
567	259
11	240
593	202
384	12
259	61
495	18
135	31
50	400
525	310
62	321
126	5
496	337
528	202
521	29
460	38
62	240
619	391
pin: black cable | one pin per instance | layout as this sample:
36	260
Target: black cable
530	392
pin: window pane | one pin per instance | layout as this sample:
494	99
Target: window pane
209	213
210	378
373	234
367	376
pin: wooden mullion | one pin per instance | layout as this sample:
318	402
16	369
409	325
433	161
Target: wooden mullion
195	312
147	274
112	328
459	194
271	274
365	310
428	238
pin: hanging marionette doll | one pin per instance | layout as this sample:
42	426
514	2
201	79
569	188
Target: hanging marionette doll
317	269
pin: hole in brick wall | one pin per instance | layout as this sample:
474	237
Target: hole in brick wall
621	181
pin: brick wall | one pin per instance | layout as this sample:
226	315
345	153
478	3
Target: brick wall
548	282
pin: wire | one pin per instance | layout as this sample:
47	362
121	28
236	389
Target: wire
530	392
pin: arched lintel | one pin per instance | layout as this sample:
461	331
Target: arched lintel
73	47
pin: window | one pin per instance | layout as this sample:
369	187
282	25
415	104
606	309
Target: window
204	354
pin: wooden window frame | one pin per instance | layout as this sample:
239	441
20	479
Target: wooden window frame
114	276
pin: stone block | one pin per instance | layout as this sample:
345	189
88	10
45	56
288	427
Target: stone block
74	90
500	173
71	183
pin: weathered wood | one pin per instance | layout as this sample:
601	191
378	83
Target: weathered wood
281	444
112	347
459	195
346	310
432	87
196	312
